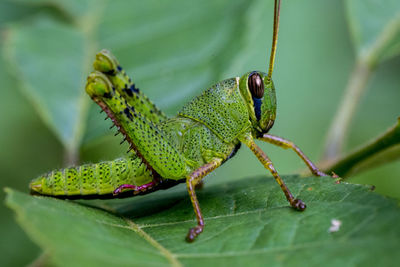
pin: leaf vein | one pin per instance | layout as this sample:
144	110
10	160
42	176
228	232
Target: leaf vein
171	257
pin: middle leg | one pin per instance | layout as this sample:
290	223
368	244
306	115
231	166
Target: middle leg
191	181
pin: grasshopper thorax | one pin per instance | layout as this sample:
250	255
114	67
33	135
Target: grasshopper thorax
258	91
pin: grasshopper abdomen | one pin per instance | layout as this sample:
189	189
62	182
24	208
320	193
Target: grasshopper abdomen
95	180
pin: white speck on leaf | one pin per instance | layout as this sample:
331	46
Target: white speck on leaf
335	226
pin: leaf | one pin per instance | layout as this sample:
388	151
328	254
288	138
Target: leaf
247	222
51	73
72	8
381	150
375	28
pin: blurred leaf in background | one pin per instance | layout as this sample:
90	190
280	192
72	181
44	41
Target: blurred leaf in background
174	50
375	31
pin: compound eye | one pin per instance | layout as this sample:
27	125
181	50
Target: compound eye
256	85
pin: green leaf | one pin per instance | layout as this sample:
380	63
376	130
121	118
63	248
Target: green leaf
71	8
51	73
381	150
375	28
247	222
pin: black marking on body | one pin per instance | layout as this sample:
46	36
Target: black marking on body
110	72
128	113
233	152
134	89
107	95
129	92
257	107
119	68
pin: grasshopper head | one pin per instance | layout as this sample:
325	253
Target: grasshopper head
258	89
258	92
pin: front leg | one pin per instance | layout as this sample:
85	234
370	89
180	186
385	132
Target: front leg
191	181
279	141
266	162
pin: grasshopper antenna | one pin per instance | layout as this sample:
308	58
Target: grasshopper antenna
277	8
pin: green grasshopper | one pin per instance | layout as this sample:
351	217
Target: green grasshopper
167	151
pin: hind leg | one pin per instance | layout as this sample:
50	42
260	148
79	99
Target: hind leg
145	138
191	181
107	64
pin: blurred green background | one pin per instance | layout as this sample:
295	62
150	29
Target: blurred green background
174	50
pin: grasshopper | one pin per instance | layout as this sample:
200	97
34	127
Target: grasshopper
167	151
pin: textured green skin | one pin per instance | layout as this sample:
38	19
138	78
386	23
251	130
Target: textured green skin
221	109
207	128
95	179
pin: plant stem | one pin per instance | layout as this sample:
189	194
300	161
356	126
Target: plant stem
340	125
71	156
88	24
41	260
387	140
